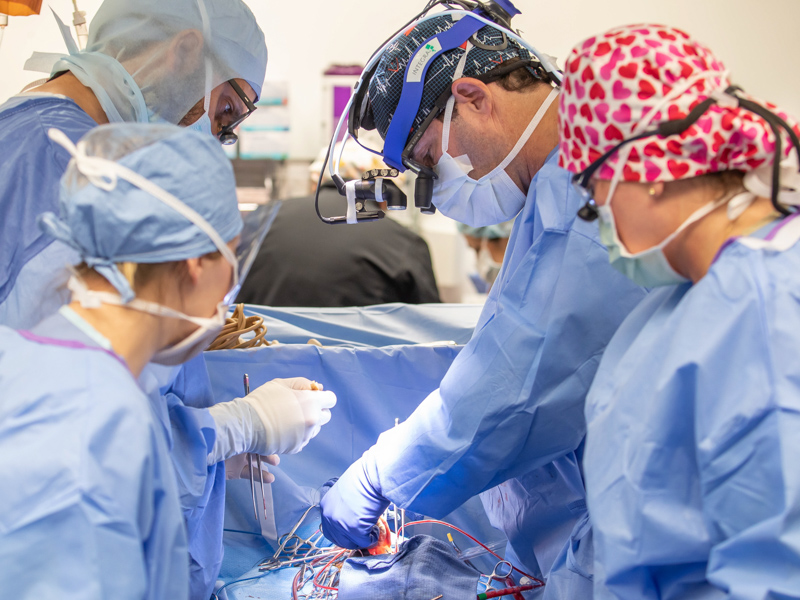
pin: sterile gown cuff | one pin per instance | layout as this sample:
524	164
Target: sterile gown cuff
235	430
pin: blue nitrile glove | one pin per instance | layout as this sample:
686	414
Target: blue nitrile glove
352	507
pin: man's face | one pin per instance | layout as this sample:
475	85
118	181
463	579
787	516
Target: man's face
225	106
468	135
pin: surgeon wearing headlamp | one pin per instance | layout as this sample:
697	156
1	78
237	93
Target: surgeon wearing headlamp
694	416
507	419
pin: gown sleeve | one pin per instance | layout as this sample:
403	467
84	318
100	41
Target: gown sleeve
513	399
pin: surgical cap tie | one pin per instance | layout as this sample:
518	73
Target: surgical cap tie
104	174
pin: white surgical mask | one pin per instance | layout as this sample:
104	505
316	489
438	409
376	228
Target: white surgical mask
189	347
492	199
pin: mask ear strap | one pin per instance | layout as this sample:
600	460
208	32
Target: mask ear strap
448	116
523	139
206	39
451	102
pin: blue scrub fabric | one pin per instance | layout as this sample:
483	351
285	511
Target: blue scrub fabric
374	386
30	174
89	507
510	409
694	437
423	567
202	487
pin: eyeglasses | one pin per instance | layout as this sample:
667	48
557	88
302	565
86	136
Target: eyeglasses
226	135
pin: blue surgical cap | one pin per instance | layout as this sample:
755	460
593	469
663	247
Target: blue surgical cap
126	223
491	232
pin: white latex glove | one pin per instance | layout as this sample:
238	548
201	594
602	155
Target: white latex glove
238	467
280	417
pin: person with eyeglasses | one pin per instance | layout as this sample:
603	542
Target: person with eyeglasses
694	415
91	505
196	63
507	420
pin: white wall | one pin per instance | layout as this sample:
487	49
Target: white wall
757	41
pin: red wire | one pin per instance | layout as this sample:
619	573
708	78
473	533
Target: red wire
508	591
330	562
537	581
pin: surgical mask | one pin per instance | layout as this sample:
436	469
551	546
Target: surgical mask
650	268
203	124
493	198
488	268
176	354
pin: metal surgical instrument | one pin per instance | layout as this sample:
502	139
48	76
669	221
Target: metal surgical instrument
257	458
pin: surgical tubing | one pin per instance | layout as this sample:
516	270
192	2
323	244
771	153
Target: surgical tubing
506	591
538	582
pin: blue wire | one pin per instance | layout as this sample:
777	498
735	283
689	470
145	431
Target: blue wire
238	581
247	532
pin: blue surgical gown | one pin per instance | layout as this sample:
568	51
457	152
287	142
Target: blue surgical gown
33	279
694	438
509	412
89	507
32	264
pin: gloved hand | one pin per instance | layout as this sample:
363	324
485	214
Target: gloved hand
351	508
280	417
238	467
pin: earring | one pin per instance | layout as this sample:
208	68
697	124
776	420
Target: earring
652	191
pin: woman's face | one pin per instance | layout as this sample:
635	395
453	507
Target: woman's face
214	278
643	219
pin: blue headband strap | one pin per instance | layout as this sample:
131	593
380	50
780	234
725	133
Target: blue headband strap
414	85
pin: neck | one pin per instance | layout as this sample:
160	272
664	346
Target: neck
69	86
693	252
534	154
133	335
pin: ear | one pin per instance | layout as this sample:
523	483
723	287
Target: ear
656	189
472	95
194	269
185	53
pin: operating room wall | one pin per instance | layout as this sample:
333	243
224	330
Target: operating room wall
757	41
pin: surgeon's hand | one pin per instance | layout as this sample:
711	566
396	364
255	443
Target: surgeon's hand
352	507
238	467
280	417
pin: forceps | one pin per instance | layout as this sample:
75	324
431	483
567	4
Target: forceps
501	573
257	458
